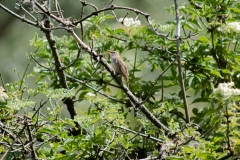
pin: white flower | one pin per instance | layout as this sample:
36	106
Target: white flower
90	94
166	27
226	90
3	95
36	69
233	26
128	22
235	92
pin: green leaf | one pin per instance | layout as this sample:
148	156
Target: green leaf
82	94
188	149
43	54
4	107
217	73
235	10
189	26
48	130
203	39
120	30
210	112
206	156
175	158
200	100
3	103
195	111
40	78
195	21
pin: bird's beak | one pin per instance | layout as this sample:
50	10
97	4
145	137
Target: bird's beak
110	52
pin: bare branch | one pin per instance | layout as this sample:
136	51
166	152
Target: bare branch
19	17
84	3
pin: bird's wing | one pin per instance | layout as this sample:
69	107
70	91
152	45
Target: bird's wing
124	70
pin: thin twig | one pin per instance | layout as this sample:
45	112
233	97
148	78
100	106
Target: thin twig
84	3
94	89
156	81
180	63
21	7
58	9
31	141
49	69
140	134
10	147
19	17
78	55
228	128
109	4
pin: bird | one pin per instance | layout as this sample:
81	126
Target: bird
118	65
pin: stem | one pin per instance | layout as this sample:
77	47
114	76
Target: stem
214	51
227	136
235	47
24	74
134	64
179	63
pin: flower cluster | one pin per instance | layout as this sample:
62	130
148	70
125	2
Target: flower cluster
233	26
128	22
166	27
3	95
226	90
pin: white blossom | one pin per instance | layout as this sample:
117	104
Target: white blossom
90	94
226	90
36	69
166	27
233	26
3	94
128	22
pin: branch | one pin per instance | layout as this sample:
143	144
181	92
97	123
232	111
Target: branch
180	65
84	3
49	69
60	72
112	7
140	134
197	6
228	129
94	89
159	77
71	64
19	17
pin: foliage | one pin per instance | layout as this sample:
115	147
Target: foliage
116	126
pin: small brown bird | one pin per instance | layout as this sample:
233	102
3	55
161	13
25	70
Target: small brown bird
118	65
